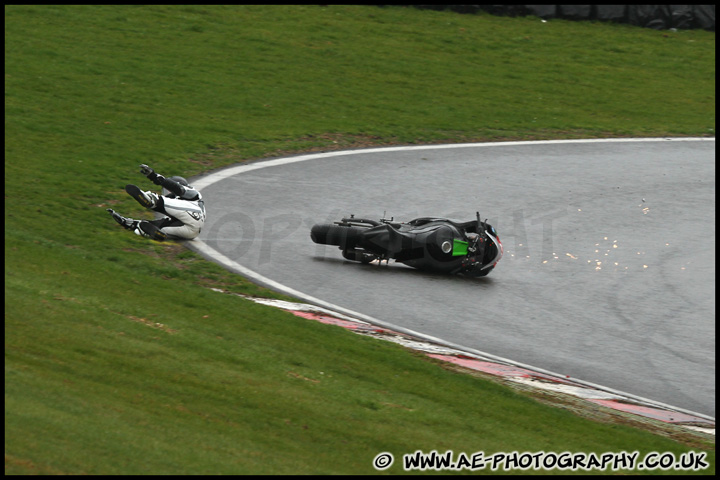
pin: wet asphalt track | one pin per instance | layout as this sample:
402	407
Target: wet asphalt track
609	267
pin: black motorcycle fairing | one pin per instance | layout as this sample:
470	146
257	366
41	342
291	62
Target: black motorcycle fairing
469	227
416	244
484	259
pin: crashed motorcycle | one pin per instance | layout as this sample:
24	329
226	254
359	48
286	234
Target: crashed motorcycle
431	244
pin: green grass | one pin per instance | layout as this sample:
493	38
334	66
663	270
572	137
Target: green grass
119	359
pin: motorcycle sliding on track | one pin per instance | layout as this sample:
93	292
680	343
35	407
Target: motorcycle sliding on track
438	245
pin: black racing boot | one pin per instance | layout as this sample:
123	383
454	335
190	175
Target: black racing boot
149	230
141	197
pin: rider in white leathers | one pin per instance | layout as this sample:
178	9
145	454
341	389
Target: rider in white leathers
181	204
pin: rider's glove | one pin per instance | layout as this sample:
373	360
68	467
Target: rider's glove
151	175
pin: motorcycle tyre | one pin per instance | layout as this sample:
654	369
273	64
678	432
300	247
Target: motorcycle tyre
344	237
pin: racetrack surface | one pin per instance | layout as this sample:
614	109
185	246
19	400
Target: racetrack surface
609	267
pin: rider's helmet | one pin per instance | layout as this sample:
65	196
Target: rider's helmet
179	180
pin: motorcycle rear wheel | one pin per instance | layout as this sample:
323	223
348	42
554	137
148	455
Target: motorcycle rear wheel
344	237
